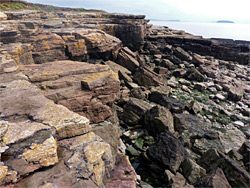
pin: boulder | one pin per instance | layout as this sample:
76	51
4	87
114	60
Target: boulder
180	53
127	59
236	175
196	133
123	174
215	179
192	171
174	105
124	74
195	75
245	151
110	133
178	181
158	119
194	107
135	110
168	151
158	92
232	139
83	162
86	89
235	93
145	77
167	64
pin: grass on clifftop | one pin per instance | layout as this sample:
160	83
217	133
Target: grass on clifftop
12	5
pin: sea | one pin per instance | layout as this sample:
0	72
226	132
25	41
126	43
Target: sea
233	31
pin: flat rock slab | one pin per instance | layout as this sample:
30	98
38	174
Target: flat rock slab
84	88
22	100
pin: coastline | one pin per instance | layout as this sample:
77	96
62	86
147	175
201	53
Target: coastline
211	30
92	99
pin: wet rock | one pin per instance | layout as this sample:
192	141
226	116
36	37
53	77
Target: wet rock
135	110
158	119
132	151
167	151
215	179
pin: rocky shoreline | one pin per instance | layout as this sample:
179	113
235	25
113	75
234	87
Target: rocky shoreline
108	100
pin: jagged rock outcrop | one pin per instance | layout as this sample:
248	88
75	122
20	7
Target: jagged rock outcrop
76	98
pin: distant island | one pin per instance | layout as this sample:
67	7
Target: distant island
224	21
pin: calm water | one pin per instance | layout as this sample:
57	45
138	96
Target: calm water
211	30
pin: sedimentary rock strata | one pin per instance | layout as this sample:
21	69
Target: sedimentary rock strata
91	99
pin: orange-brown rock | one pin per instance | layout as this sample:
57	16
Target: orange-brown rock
48	47
84	88
93	42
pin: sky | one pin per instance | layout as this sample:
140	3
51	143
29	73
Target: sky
184	10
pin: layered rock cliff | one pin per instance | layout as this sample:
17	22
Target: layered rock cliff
84	95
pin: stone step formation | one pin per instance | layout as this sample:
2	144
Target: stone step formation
92	99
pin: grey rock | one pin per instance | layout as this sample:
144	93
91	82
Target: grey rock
235	174
158	119
167	151
192	171
135	110
214	179
180	53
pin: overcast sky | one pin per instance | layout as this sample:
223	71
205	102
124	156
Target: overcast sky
185	10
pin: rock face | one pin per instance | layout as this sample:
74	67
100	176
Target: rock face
78	86
83	94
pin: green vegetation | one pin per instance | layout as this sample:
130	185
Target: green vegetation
20	4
